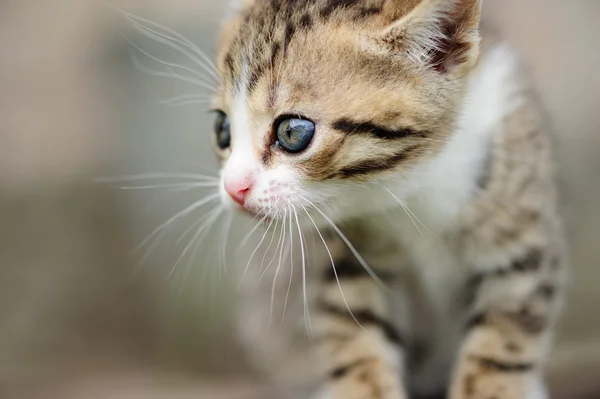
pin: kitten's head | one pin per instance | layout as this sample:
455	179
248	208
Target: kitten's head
324	103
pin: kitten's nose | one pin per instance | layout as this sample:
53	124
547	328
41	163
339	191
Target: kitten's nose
238	190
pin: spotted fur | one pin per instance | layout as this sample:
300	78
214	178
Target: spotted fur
432	155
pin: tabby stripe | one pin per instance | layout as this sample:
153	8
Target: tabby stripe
531	262
290	30
502	366
527	321
257	73
476	320
306	21
346	269
351	127
365	12
343	371
524	319
546	290
333	5
229	64
368	166
366	317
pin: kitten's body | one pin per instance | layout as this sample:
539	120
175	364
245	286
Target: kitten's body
466	239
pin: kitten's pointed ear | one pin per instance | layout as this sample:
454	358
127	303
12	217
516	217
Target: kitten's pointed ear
441	34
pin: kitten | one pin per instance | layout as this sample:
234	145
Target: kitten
404	171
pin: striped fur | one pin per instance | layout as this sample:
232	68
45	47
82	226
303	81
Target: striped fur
434	161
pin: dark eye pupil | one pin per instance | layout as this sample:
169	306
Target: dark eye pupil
294	134
223	131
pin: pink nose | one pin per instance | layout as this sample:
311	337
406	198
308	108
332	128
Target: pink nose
238	190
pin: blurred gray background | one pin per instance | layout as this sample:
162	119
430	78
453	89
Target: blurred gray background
78	321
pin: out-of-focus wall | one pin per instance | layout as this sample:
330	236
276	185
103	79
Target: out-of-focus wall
74	318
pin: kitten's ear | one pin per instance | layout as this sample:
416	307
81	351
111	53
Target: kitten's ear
441	34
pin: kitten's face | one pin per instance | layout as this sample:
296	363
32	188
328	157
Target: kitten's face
329	103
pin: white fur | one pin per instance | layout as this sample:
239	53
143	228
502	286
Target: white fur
449	180
242	163
273	189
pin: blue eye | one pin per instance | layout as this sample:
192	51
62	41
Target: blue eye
222	130
294	134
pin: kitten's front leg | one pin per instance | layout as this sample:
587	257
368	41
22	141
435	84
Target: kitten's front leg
507	336
359	347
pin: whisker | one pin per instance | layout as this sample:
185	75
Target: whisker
184	212
198	165
287	295
154	176
209	220
410	214
197	246
225	240
332	266
187	99
192	227
306	312
405	210
170	74
247	237
186	103
164	196
172	186
262	262
193	96
273	286
170	64
254	253
174	42
276	250
351	247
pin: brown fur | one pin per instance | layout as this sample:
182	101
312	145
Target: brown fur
324	59
384	82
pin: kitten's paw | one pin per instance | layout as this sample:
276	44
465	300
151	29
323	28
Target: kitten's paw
364	380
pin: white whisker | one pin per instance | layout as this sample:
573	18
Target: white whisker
174	185
262	262
351	247
276	250
154	176
224	241
170	74
332	265
247	237
274	284
171	64
197	246
410	214
192	227
304	292
186	103
287	295
156	201
182	97
174	42
184	212
197	239
254	253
